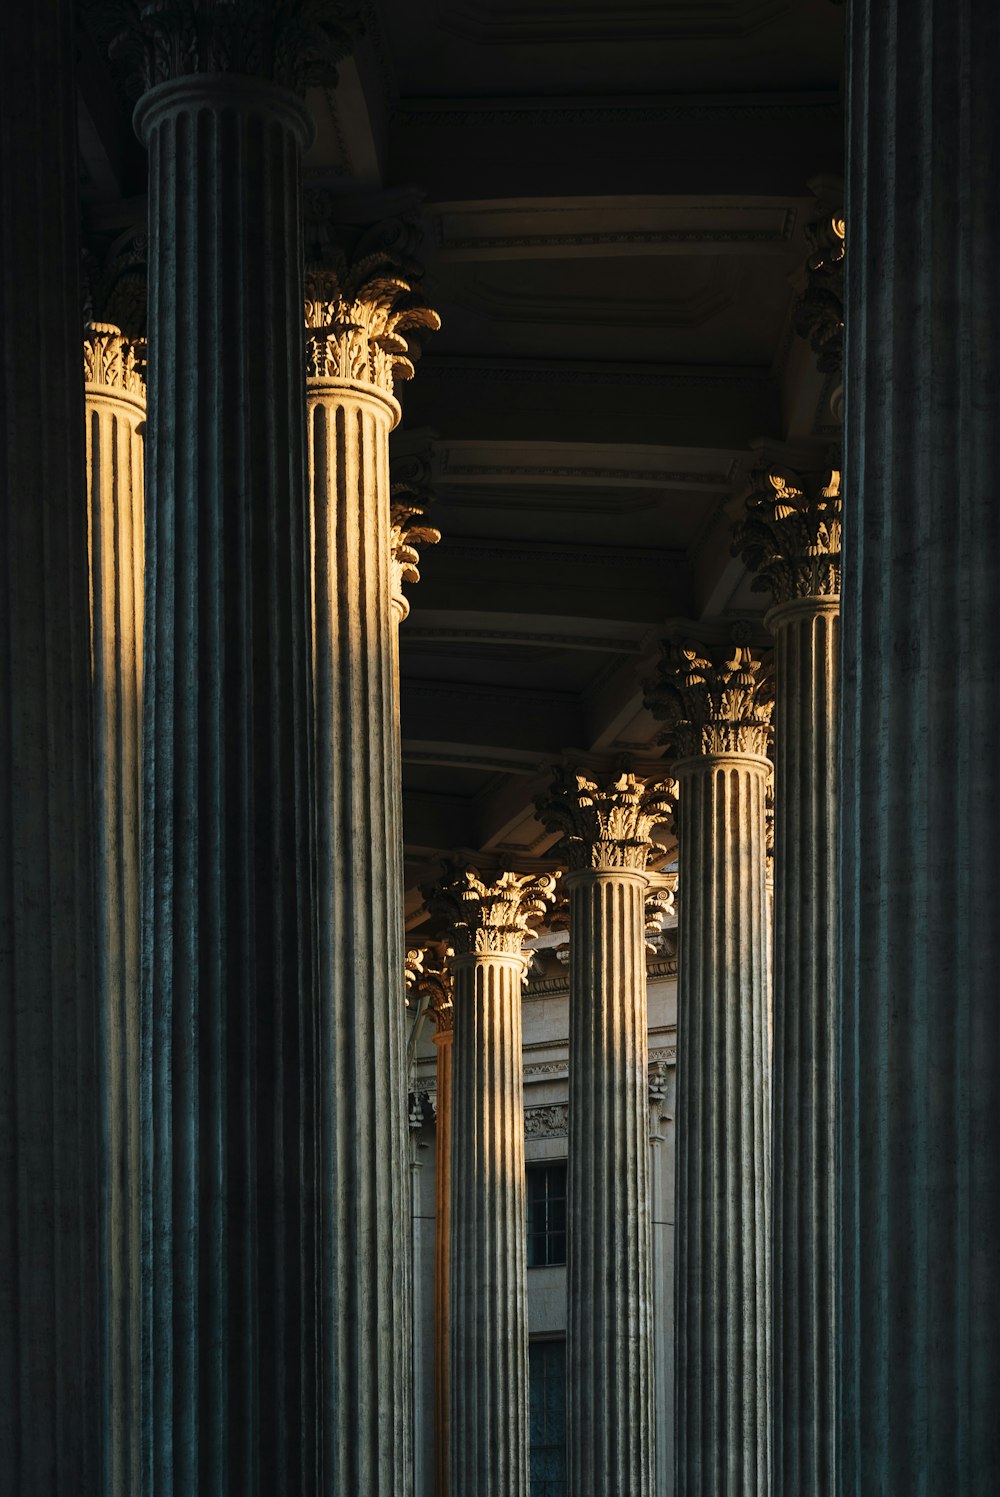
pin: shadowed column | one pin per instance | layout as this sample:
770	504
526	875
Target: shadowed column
52	1394
791	539
606	826
715	698
919	1062
233	1171
487	927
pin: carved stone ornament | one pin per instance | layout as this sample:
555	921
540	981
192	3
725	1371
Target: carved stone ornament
659	907
410	494
819	312
294	43
113	361
605	823
547	1122
420	1110
429	976
716	698
490	919
365	313
791	535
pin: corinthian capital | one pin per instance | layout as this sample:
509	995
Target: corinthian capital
715	697
791	536
113	362
410	494
365	312
294	43
490	919
429	977
606	823
819	311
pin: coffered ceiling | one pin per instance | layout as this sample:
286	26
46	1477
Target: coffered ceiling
613	198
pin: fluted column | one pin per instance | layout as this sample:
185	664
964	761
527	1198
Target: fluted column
920	806
607	825
791	539
232	1167
433	983
715	698
115	412
487	926
52	1424
358	311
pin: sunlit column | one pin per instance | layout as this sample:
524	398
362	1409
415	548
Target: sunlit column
606	827
715	697
52	1409
487	925
360	311
791	539
114	375
919	1054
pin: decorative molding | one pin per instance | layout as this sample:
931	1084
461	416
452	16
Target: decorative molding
644	111
550	1121
112	361
606	823
492	919
296	44
632	21
791	535
716	695
421	1109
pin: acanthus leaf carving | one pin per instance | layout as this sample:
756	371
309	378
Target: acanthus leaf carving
365	314
112	361
791	536
429	977
605	824
490	918
294	43
715	696
410	494
818	315
551	1121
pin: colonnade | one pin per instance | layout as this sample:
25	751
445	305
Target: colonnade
251	1131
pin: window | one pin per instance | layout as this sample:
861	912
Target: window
547	1418
546	1215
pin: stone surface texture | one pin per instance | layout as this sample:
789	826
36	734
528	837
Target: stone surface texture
115	412
606	827
791	539
52	1426
235	1176
919	1063
715	697
488	924
358	311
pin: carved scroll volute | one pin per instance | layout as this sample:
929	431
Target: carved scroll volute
490	919
606	823
791	535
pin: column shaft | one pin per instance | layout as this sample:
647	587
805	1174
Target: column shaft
52	1422
231	1175
723	1097
920	808
442	1261
361	953
489	1310
807	665
115	412
609	1325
